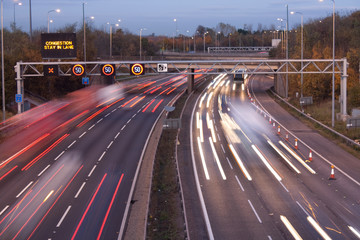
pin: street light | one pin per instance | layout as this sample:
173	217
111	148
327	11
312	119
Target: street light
140	40
204	40
84	26
174	35
16	4
111	24
333	68
54	10
2	60
229	38
302	50
195	41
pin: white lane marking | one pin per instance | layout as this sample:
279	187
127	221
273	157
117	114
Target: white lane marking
215	126
290	227
140	109
237	179
128	121
302	208
229	163
7	206
284	187
297	157
63	217
72	144
222	147
317	227
269	237
107	115
217	158
17	196
219	137
117	135
134	115
102	155
43	170
81	187
99	120
110	144
114	110
255	211
82	135
203	160
59	155
91	127
92	170
123	127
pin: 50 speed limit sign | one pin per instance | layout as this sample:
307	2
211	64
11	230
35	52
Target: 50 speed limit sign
137	69
108	70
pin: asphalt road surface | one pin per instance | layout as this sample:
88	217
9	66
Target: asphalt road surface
255	183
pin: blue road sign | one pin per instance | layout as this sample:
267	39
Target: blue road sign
18	98
85	81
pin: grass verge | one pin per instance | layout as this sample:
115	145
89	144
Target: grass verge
165	220
355	151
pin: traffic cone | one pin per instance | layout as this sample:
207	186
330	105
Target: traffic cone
270	120
287	136
332	174
278	130
310	157
296	145
273	124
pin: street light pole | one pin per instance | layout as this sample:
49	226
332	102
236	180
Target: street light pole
140	41
204	40
287	51
302	50
48	19
18	4
30	21
333	71
2	60
83	5
174	35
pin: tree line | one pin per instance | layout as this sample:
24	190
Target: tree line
126	45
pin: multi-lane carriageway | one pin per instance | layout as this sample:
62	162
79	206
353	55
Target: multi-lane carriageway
68	171
254	183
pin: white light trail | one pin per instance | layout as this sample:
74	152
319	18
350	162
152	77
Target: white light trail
208	100
290	227
240	163
353	230
317	227
217	159
284	157
203	160
297	157
267	164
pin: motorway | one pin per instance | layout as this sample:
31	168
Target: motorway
67	169
253	183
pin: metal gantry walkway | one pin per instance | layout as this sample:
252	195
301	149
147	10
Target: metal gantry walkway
252	66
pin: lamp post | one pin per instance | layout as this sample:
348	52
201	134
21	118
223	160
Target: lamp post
54	10
174	34
111	24
195	41
2	60
204	40
229	38
16	4
140	40
302	50
333	68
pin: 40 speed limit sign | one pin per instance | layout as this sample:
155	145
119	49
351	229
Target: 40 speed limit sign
137	69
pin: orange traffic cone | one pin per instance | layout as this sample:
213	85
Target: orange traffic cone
278	130
310	156
273	124
332	174
296	145
287	136
270	120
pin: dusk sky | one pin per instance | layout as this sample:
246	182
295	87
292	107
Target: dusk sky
157	16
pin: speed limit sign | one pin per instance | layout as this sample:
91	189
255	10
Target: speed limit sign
107	70
137	69
78	70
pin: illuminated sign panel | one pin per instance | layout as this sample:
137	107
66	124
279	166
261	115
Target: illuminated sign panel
51	70
58	45
137	69
78	70
107	70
